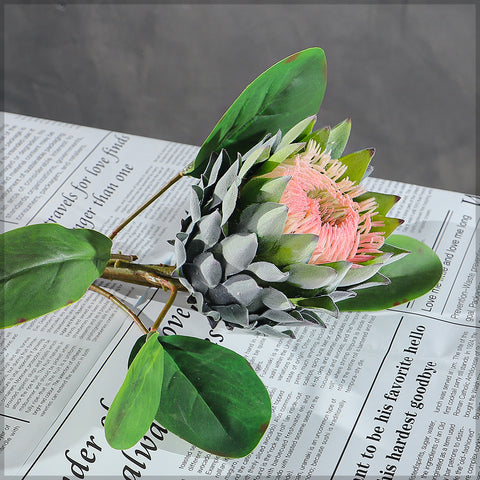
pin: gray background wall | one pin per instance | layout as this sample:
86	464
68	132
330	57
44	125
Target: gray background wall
405	74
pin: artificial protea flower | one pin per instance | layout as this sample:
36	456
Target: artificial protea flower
282	233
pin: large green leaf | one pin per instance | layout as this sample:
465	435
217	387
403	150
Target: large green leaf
279	98
412	276
136	403
46	267
211	397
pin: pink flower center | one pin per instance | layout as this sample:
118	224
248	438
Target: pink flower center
320	203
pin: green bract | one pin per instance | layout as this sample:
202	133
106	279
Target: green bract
232	254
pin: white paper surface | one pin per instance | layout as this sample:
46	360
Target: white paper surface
390	395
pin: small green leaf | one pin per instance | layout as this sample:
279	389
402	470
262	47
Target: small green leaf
397	253
279	98
229	203
389	224
267	220
384	201
373	281
234	314
136	403
238	250
278	157
212	398
259	155
360	274
357	164
322	303
209	268
260	190
276	300
267	272
300	129
310	277
342	267
411	277
306	280
318	136
337	140
292	248
46	267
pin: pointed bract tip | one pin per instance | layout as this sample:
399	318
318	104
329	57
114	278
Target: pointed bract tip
371	151
397	198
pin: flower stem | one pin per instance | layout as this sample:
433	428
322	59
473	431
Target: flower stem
139	210
117	302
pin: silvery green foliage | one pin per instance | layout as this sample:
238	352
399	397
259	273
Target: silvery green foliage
234	259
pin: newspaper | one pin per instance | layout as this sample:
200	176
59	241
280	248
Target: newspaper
387	395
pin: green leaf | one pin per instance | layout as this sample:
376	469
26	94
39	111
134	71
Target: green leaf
267	272
212	398
136	348
265	219
342	267
238	251
292	248
310	277
389	225
322	303
384	201
46	267
337	140
278	157
360	274
286	93
397	253
306	280
318	136
258	155
136	403
411	277
357	164
302	128
260	190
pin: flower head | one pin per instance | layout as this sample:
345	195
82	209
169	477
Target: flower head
319	203
280	234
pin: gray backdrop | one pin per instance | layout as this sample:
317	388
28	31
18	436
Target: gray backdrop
405	74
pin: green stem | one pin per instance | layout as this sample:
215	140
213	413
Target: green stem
117	302
139	210
126	258
147	275
166	308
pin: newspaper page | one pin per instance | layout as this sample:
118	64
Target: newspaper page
387	395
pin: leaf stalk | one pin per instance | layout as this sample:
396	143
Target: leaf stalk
173	293
116	301
145	205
